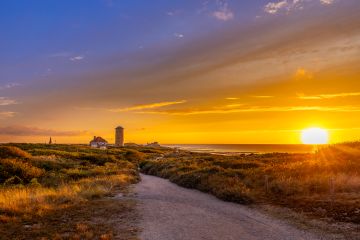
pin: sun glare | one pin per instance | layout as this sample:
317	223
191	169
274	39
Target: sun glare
314	136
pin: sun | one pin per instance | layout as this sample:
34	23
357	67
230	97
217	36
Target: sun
314	136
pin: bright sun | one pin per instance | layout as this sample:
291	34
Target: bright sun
314	136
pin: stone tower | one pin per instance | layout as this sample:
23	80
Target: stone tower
119	136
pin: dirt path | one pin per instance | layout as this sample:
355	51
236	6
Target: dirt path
172	212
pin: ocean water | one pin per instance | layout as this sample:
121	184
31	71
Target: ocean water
245	148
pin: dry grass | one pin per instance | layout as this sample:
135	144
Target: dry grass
29	201
325	184
53	196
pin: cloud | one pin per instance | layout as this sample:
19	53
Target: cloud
328	96
327	2
262	96
178	35
34	131
224	13
10	85
303	73
5	101
290	5
4	115
77	58
274	7
238	108
148	106
234	57
253	96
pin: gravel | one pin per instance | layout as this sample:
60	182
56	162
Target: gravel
170	212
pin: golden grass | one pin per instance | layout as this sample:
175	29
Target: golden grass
39	200
55	195
328	179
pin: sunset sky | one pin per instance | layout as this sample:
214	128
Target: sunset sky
179	71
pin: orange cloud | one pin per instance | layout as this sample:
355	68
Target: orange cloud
303	73
328	96
34	131
227	109
148	106
6	101
262	96
4	115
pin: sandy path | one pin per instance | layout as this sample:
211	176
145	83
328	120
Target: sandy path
173	213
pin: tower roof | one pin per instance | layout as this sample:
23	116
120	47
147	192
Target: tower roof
119	127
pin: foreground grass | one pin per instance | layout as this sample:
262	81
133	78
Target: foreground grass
66	191
324	184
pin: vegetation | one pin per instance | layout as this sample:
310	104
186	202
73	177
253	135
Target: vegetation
54	191
325	183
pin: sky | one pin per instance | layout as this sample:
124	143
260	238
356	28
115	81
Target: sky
179	71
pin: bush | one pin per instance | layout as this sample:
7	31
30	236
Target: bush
16	167
134	156
13	152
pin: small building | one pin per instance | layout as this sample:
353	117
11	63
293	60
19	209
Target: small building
98	142
153	145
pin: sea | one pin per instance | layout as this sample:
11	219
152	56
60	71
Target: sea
234	149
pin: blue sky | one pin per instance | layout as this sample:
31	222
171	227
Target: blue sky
40	36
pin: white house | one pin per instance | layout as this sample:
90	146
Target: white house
98	142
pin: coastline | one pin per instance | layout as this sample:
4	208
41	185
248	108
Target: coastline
239	149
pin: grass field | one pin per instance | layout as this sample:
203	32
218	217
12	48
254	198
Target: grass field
65	191
325	184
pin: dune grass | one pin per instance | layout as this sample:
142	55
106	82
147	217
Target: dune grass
325	184
41	184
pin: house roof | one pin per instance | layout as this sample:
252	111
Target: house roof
99	139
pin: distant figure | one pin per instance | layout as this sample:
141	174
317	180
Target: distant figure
119	136
50	141
98	142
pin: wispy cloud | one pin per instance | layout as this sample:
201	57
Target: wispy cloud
328	96
179	35
148	106
248	109
224	13
4	115
274	7
9	85
253	96
327	2
291	5
262	96
77	58
34	131
6	101
303	73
